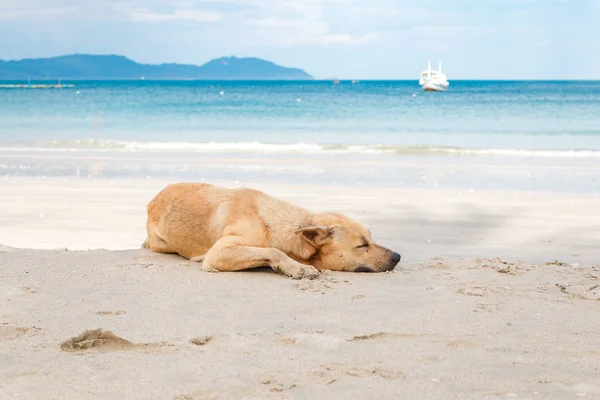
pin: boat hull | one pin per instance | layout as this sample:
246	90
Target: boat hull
434	87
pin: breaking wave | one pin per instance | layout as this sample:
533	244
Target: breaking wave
273	148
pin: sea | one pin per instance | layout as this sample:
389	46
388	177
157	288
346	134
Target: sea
478	135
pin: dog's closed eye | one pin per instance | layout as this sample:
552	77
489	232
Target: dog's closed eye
363	245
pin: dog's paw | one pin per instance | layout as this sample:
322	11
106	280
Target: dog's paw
302	271
198	259
209	269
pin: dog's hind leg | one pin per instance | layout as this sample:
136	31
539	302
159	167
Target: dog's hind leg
158	245
231	253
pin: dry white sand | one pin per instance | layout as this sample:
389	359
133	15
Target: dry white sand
82	214
452	322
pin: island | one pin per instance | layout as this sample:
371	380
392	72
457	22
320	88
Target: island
116	67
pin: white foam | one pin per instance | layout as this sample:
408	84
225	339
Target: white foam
523	152
274	148
223	147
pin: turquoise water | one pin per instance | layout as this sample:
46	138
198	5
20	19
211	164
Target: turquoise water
498	135
473	115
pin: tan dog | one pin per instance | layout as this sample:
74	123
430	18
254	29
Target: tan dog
238	229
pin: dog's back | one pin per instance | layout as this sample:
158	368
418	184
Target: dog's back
187	216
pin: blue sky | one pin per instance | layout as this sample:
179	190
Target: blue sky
377	39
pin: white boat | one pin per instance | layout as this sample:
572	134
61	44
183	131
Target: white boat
433	81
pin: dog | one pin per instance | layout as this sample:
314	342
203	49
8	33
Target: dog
239	229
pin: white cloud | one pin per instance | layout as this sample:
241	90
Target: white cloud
32	10
349	39
290	31
277	22
303	22
176	15
27	14
134	10
464	32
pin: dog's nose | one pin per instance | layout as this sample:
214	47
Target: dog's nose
396	258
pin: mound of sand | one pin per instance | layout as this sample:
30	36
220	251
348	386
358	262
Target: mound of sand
96	339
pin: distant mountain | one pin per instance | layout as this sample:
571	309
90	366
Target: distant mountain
84	66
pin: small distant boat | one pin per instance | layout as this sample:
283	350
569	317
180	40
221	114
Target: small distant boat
28	85
433	81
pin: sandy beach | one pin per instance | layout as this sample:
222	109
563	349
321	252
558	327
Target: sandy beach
497	296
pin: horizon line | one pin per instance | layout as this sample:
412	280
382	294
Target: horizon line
319	80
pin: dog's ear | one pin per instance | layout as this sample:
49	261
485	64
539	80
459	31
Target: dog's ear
317	235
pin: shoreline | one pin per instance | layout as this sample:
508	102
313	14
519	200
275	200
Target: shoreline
363	148
374	171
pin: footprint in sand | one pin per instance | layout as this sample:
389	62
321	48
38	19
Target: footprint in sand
136	265
111	312
476	291
10	292
583	291
201	340
436	263
327	374
8	332
326	282
201	395
380	336
501	266
319	341
365	371
227	342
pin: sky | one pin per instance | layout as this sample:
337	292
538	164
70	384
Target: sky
346	39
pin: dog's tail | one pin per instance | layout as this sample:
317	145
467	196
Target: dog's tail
146	244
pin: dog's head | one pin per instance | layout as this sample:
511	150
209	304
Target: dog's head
345	245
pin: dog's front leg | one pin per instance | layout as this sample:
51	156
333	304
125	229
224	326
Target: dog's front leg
230	253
